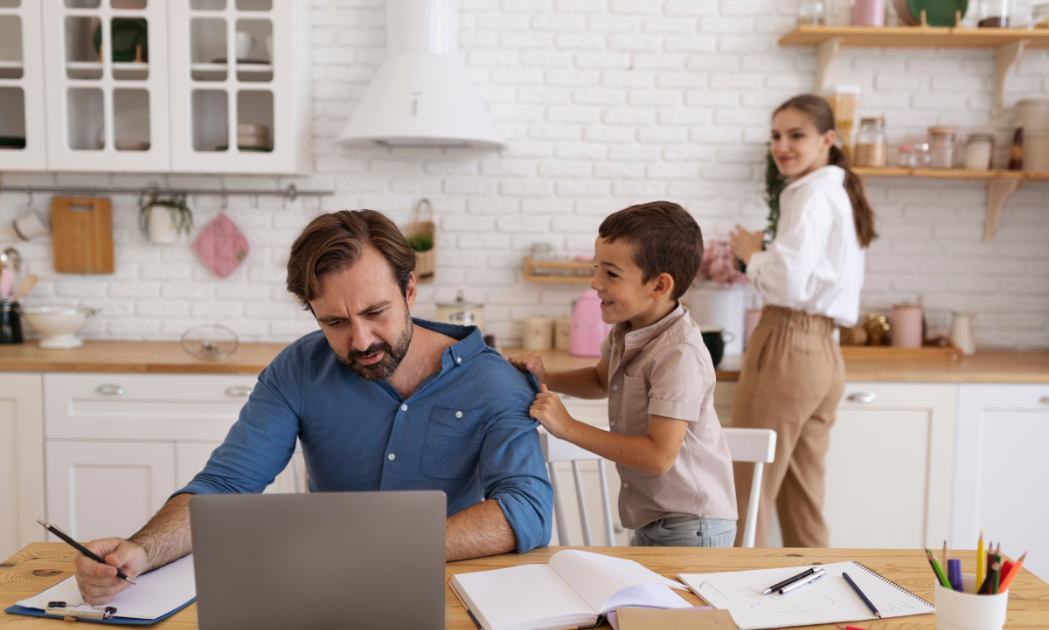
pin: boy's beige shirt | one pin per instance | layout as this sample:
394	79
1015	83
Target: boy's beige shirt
665	370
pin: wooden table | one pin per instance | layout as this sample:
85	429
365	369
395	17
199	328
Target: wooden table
41	565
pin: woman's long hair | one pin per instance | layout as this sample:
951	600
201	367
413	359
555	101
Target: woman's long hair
822	116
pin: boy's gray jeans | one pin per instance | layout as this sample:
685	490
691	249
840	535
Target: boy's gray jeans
686	531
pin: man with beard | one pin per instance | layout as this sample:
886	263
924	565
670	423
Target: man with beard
379	400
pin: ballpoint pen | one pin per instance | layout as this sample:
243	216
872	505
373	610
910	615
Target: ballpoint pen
82	549
817	574
779	585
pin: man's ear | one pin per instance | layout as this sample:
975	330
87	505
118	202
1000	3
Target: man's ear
410	292
664	285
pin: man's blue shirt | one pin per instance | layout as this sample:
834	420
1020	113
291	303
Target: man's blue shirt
465	430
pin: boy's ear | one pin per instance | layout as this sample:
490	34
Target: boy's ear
664	285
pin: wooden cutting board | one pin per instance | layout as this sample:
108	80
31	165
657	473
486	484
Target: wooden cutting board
82	234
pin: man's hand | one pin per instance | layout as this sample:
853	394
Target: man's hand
745	244
99	582
530	362
551	413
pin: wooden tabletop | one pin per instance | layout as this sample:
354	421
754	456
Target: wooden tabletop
990	366
134	357
41	565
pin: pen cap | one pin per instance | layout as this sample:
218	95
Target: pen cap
967	611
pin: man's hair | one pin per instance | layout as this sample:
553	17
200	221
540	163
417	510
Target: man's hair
665	238
334	242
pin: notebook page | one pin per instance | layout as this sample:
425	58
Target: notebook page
598	577
827	601
522	596
153	595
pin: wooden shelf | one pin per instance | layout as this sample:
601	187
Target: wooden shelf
914	37
573	268
1000	186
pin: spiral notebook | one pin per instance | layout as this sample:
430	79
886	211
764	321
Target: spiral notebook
826	601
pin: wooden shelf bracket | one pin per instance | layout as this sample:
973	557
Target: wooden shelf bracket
998	192
826	62
1005	58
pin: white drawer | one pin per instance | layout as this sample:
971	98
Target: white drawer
143	406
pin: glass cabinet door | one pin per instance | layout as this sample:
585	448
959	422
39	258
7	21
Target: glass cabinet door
23	145
107	92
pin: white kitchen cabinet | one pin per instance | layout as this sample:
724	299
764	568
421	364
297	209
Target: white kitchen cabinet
1001	471
98	489
214	89
107	108
21	461
190	458
22	87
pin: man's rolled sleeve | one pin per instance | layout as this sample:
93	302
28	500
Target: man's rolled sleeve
513	472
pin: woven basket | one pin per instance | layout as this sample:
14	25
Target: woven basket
425	261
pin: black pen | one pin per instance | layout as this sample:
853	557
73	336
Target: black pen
776	587
856	588
81	548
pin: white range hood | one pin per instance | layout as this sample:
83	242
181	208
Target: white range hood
422	95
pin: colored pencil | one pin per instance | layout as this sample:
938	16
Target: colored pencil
998	570
938	570
945	557
1012	573
954	573
981	562
988	582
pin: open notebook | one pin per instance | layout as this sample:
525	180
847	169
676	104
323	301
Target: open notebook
575	589
829	600
153	597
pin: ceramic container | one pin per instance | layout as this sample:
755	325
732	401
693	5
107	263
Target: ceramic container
537	333
58	324
906	328
968	611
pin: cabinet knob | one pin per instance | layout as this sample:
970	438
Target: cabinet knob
862	397
110	390
1044	400
239	391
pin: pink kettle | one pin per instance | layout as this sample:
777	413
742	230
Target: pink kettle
588	329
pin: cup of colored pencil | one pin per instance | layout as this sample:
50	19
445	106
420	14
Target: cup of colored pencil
973	601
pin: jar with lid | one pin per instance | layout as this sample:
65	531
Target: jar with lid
994	14
908	159
978	151
870	144
941	146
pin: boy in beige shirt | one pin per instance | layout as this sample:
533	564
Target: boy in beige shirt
664	434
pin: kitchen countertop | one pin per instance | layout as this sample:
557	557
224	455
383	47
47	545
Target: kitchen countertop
164	357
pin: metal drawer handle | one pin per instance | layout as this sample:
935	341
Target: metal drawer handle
110	390
239	391
1044	400
862	397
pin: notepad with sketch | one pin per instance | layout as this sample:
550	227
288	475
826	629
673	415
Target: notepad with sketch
574	590
829	600
154	596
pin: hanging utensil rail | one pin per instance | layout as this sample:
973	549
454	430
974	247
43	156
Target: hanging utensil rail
290	193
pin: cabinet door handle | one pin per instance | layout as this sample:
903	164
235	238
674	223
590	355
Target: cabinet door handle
862	397
109	390
239	391
1044	400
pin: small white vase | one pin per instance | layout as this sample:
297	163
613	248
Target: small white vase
162	225
712	304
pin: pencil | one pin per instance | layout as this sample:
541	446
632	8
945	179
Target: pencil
945	557
1008	579
937	570
988	582
998	571
981	562
81	548
874	610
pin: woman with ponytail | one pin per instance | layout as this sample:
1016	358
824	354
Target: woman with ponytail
810	277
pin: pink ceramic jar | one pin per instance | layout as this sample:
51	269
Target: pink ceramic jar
868	13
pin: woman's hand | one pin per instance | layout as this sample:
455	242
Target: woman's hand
551	413
745	244
530	362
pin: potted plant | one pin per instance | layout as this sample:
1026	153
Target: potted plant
162	220
421	236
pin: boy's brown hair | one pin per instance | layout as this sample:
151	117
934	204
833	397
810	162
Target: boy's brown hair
665	237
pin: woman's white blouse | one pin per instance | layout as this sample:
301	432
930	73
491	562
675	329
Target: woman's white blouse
815	263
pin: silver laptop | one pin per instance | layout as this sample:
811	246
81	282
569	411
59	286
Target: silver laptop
319	561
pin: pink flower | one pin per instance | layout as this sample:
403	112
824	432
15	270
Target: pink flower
719	265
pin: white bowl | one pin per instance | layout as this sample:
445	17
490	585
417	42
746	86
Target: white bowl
58	324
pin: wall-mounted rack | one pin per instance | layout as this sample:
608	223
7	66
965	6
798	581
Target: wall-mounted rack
290	193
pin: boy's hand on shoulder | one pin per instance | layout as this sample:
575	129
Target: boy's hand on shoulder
530	362
551	413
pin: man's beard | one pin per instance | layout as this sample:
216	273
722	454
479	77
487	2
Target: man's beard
391	357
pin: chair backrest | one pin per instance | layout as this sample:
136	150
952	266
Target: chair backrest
555	450
757	446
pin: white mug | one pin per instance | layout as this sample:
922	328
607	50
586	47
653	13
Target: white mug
244	43
962	335
31	224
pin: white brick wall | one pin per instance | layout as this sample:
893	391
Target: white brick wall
604	103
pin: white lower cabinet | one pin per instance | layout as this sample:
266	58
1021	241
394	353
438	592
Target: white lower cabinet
1001	473
21	461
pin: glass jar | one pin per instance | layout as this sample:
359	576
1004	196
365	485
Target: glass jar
941	146
812	13
994	14
870	144
978	151
907	157
922	155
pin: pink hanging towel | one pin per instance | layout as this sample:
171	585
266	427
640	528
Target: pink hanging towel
221	246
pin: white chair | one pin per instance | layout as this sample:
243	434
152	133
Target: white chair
556	450
757	446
